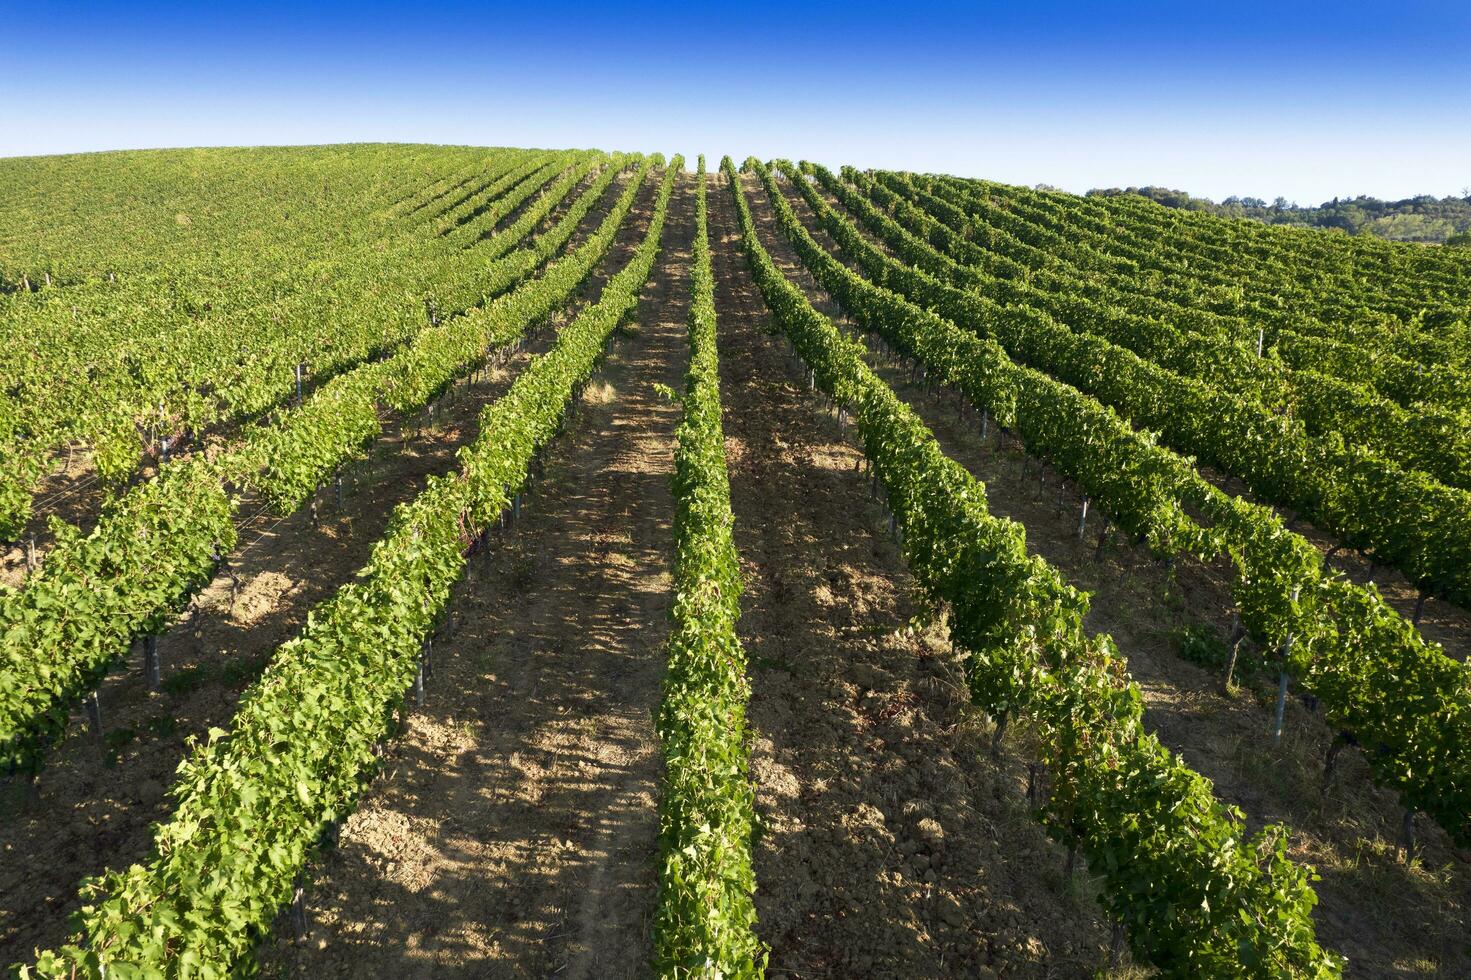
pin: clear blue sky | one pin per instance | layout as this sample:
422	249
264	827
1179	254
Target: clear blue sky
1304	99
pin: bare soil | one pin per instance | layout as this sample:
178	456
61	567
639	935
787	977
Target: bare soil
893	845
514	833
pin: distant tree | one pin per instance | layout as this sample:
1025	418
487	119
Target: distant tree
1461	239
1423	218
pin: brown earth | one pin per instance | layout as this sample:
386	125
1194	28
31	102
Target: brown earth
514	832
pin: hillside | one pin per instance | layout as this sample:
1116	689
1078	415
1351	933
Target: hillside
426	560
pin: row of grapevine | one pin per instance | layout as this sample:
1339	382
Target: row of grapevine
1436	442
230	367
1414	360
1035	251
1305	381
1198	897
167	309
252	803
424	195
88	228
1361	270
1206	347
1284	293
346	414
146	357
1406	701
250	226
448	285
704	922
1407	519
80	612
1360	277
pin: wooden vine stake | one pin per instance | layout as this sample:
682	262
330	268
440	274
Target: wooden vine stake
93	704
1282	680
999	734
1102	540
1116	946
152	670
1280	714
298	907
1237	635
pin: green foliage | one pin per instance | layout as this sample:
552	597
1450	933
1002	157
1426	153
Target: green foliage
101	362
93	594
290	460
1407	518
1380	310
1216	350
1202	645
704	923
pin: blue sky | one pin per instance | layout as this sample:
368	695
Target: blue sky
1308	100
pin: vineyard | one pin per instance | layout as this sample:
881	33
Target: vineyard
422	561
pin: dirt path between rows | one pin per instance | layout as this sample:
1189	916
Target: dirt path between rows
892	845
514	834
95	802
1390	919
